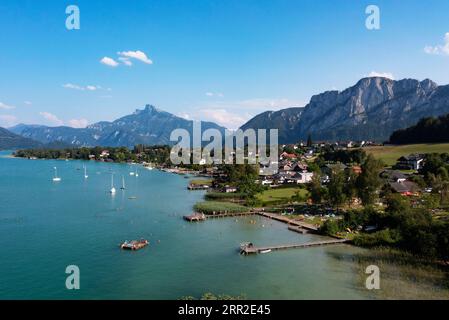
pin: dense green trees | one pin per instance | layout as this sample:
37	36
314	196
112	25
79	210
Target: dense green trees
317	191
156	154
336	188
427	130
368	182
400	225
347	156
243	177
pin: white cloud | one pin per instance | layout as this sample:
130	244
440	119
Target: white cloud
7	120
28	103
72	86
109	62
78	123
233	114
125	61
52	118
5	106
138	55
222	117
439	49
215	94
184	115
388	75
82	88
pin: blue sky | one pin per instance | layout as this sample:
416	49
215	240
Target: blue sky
223	61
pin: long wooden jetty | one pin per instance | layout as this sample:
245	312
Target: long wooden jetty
231	214
278	217
202	217
249	248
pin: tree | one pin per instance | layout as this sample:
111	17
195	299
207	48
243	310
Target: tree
316	190
336	188
369	182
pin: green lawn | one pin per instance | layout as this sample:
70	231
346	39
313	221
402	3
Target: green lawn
201	182
389	154
281	194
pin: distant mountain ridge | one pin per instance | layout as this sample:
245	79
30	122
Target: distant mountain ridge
370	110
149	126
287	119
10	140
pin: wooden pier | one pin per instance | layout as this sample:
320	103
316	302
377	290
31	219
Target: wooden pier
297	223
231	214
298	229
202	217
249	248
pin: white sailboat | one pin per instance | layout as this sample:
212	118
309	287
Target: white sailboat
56	178
136	174
85	173
112	191
123	183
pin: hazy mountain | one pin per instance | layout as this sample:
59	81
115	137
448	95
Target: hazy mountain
9	140
149	126
287	119
370	110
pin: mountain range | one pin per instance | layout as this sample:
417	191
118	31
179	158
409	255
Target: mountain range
9	140
149	126
372	109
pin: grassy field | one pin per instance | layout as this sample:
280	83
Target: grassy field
280	194
201	182
389	154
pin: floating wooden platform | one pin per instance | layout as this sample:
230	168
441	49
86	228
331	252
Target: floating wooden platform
249	248
134	245
195	217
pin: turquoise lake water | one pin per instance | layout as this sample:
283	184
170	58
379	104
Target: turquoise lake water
46	226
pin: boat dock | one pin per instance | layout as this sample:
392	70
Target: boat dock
202	217
249	248
291	222
298	229
231	214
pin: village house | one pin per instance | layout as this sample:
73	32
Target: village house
288	156
302	177
104	154
410	162
406	188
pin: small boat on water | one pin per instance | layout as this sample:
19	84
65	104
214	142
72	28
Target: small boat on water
134	245
112	191
265	251
56	178
85	173
123	183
